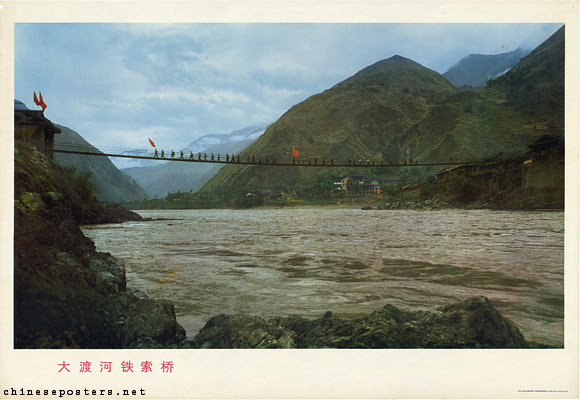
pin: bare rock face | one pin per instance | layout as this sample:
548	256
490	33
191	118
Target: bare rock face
474	323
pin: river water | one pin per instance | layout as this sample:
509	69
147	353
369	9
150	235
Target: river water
306	261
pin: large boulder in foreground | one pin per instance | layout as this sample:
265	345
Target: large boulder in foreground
474	323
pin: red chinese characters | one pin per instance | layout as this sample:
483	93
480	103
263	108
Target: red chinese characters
63	367
85	366
146	366
167	366
106	366
126	367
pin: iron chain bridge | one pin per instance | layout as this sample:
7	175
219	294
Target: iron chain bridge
161	155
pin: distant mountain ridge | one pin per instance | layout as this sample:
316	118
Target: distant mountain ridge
159	180
476	69
246	135
112	184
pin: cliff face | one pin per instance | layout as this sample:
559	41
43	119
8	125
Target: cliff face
66	294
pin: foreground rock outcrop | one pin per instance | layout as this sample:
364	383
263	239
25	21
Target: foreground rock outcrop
474	323
66	294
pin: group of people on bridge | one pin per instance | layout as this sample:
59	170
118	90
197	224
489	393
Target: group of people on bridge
252	160
212	158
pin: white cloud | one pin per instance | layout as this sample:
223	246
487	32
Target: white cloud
134	139
206	96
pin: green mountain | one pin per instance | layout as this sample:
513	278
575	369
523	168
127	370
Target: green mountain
395	109
467	126
363	117
112	184
535	86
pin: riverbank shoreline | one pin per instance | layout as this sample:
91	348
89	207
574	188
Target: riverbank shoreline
398	201
361	206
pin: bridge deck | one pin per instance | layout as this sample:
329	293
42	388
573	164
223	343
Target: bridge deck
269	163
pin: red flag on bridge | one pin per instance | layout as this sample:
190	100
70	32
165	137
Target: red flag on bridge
41	102
151	141
36	99
294	152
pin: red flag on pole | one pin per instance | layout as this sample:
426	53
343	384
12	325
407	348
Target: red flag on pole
294	152
36	99
42	102
151	141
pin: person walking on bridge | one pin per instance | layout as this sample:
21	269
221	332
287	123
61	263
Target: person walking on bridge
156	154
172	154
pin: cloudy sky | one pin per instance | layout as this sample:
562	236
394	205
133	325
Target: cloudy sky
118	84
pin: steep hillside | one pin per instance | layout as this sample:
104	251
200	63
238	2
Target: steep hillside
476	69
535	86
111	184
395	109
362	117
468	127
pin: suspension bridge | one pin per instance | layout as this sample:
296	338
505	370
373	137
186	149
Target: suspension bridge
324	162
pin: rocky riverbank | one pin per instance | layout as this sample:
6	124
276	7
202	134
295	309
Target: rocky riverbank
474	323
66	294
